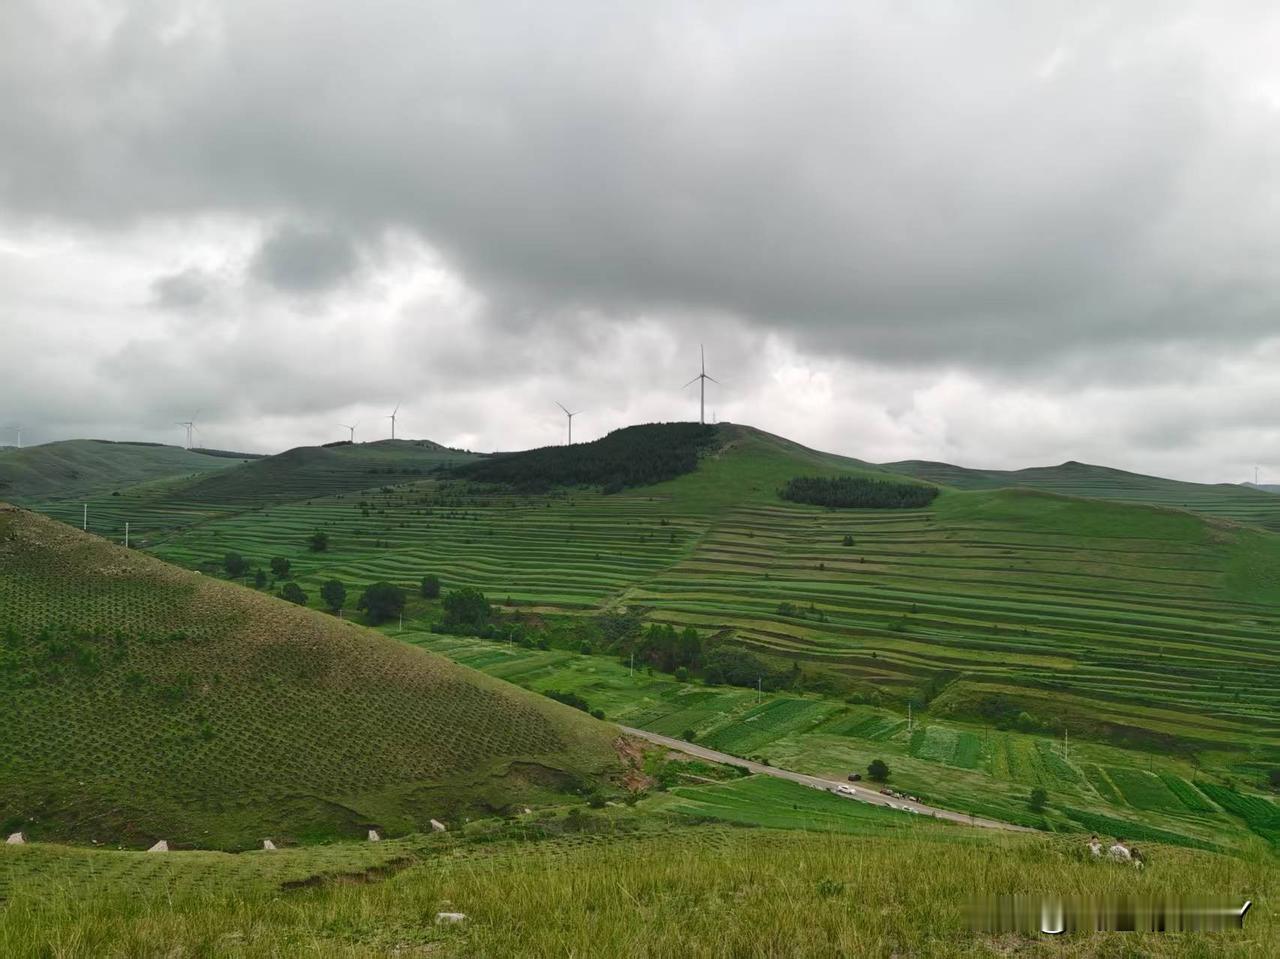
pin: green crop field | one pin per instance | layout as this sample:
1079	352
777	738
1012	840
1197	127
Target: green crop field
142	702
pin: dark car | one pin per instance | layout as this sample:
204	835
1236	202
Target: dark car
855	777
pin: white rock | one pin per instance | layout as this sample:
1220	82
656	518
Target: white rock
373	836
450	916
437	825
268	845
528	811
17	839
161	846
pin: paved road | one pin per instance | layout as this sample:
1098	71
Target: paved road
860	793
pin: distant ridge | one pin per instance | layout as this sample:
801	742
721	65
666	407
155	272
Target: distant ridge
76	468
1241	503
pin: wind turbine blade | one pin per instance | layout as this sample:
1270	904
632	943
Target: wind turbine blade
714	380
561	405
691	382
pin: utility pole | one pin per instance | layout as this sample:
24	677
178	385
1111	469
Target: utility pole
1064	743
759	690
632	674
126	535
908	715
402	622
84	523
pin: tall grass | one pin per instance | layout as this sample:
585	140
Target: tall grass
697	892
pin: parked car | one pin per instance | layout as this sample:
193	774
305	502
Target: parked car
855	777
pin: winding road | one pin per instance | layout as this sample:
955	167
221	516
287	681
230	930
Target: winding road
850	791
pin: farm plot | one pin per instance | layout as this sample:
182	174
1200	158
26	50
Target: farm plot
778	804
766	723
1143	790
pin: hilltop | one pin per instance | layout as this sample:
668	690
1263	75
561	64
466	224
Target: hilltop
140	701
77	468
320	471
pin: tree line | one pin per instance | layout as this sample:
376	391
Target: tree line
632	456
857	492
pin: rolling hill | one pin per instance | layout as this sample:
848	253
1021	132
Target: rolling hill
1240	502
78	468
139	701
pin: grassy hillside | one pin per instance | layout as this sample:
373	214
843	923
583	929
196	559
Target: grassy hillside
78	468
1240	502
139	701
319	471
848	882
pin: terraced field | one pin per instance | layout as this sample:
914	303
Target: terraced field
139	702
1127	625
957	765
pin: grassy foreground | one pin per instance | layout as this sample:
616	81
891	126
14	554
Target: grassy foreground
691	891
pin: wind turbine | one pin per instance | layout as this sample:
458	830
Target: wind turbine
190	426
571	416
392	418
352	428
18	429
701	380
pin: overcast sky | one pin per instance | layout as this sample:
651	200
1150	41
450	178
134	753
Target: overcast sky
996	234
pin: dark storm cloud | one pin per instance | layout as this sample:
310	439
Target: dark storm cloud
299	260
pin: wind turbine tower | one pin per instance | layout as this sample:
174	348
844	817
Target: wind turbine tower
701	380
571	416
189	426
352	428
18	429
392	418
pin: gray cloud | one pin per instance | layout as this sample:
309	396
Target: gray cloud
184	290
297	260
1027	206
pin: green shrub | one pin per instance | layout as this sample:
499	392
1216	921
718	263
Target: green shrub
334	594
381	602
430	587
294	594
878	771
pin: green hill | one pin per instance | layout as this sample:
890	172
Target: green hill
1240	502
78	468
320	471
139	701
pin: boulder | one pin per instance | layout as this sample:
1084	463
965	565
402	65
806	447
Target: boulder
437	825
161	846
450	916
16	839
268	845
373	836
